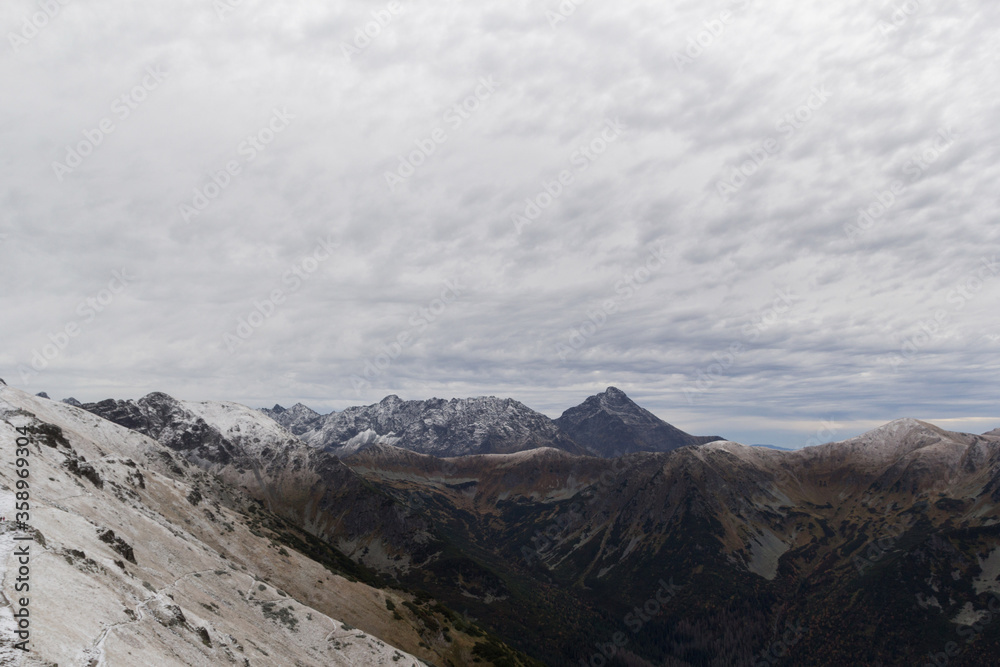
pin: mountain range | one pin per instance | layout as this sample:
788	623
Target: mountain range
608	424
477	531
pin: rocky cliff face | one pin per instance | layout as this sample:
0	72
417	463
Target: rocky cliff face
456	427
297	419
610	424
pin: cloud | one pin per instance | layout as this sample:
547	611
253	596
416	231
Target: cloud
894	82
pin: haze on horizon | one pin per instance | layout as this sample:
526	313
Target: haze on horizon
750	217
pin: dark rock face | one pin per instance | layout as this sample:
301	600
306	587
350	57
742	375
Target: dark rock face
164	419
79	467
118	544
298	419
443	428
611	424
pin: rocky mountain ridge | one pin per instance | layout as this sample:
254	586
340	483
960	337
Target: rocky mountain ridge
608	424
556	550
456	427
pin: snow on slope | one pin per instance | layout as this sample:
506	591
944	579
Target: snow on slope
250	428
176	583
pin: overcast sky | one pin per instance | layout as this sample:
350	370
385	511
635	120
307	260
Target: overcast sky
179	163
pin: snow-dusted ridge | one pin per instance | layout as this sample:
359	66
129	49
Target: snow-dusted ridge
442	428
178	583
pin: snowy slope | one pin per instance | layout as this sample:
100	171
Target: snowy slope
174	582
249	428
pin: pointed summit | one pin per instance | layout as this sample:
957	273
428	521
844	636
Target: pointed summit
613	395
296	419
611	424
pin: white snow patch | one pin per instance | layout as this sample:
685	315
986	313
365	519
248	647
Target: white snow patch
8	654
765	550
365	438
989	579
968	615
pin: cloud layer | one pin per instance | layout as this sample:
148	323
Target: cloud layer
749	216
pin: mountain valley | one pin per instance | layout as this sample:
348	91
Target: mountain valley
499	536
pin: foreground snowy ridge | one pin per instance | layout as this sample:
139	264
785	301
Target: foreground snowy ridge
127	568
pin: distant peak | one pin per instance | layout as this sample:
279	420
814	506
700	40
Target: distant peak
277	408
158	397
42	394
72	401
903	423
615	395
